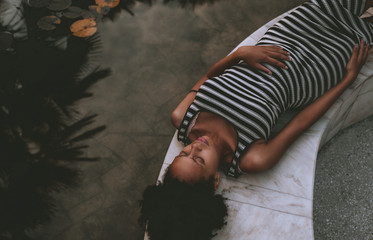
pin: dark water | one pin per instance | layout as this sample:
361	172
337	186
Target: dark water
155	56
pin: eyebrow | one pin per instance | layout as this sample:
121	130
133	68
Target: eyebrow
199	164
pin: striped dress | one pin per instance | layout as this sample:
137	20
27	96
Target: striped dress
319	35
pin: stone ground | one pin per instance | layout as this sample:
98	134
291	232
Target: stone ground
156	57
343	195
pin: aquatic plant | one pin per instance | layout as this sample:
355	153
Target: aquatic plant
87	15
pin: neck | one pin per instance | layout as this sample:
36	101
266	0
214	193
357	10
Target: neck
219	130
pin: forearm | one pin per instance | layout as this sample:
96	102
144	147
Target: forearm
254	56
263	156
311	114
276	147
223	64
307	117
218	68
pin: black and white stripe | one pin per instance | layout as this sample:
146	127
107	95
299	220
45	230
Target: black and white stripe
319	35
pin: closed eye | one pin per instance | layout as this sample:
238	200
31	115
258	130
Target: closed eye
182	154
201	160
196	159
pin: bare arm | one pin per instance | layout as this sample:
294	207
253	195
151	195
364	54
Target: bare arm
252	55
262	156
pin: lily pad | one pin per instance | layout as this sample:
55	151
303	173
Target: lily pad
92	13
48	22
38	3
6	39
83	28
108	3
72	12
59	5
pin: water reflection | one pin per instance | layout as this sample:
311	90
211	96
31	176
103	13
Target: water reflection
43	75
46	68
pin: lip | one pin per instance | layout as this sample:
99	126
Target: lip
201	139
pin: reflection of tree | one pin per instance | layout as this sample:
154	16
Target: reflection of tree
44	72
83	15
41	79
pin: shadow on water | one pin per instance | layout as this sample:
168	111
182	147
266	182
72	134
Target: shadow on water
47	66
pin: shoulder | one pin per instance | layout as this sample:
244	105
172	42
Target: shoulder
177	117
178	113
256	158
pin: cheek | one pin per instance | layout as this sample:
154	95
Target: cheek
213	156
212	161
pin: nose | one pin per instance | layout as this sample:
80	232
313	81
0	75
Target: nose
193	147
196	146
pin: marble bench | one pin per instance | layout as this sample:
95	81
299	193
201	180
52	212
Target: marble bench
277	204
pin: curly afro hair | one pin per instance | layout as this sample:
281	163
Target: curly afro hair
180	211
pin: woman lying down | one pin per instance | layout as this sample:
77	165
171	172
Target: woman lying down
310	57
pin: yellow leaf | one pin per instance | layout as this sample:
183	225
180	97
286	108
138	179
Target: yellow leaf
83	28
107	3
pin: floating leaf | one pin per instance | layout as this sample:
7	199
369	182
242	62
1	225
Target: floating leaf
105	10
6	39
72	12
100	10
89	13
83	28
95	9
38	3
108	3
48	22
59	5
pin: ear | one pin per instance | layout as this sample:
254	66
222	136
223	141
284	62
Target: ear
216	180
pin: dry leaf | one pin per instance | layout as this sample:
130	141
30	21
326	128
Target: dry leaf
107	3
83	28
48	22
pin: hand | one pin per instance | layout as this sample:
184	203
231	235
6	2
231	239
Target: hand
358	58
254	56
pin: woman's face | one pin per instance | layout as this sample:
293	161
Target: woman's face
197	161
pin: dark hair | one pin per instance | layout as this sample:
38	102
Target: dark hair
180	211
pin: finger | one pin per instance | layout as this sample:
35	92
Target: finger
362	48
280	50
368	48
366	52
362	51
275	48
279	56
262	68
276	63
355	52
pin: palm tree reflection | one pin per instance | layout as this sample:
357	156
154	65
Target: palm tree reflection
45	47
